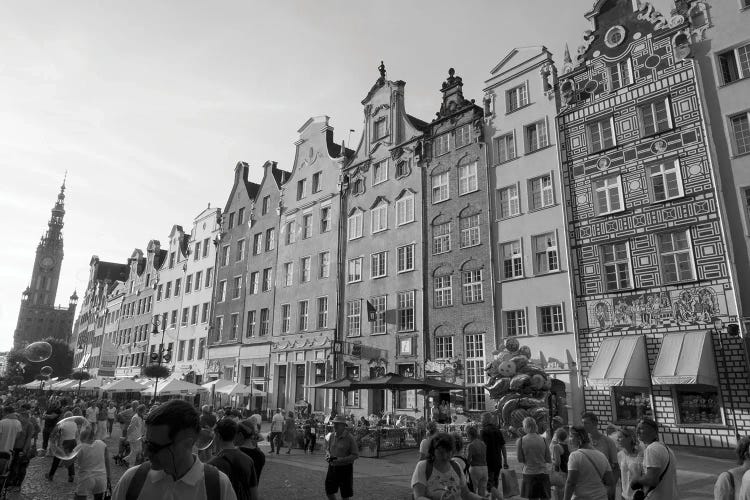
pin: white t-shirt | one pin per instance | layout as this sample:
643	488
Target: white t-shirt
630	468
659	456
68	431
135	429
9	429
726	490
443	485
745	487
111	412
91	460
589	484
91	413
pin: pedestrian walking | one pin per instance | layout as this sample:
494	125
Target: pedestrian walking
602	442
659	480
136	430
424	445
111	415
497	456
290	431
311	433
94	473
729	483
560	451
248	435
237	465
92	412
22	448
341	452
589	471
101	420
65	434
277	428
172	470
534	454
51	417
476	458
630	459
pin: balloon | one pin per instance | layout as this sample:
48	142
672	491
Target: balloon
525	351
65	439
38	352
46	371
205	438
511	344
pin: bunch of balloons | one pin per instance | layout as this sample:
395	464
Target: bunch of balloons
519	388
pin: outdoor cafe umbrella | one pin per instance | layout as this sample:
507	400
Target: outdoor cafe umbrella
123	385
238	389
343	384
175	387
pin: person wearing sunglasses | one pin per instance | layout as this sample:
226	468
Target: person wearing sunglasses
173	471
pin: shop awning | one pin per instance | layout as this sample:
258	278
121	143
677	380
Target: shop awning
84	360
686	358
621	361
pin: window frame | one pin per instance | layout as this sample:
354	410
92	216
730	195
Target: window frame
538	271
600	130
440	186
616	262
403	267
286	318
442	292
515	259
676	167
406	321
305	269
303	315
354	318
607	188
541	144
472	286
379	167
508	153
288	268
355	219
307	225
470	235
673	253
460	132
324	264
379	214
405	204
375	264
650	104
544	192
617	67
380	325
740	149
322	317
301	188
500	203
519	321
379	128
270	243
554	319
737	66
441	144
354	274
315	187
521	100
465	175
444	347
441	238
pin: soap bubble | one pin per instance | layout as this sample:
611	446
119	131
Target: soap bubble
205	438
46	371
68	435
38	352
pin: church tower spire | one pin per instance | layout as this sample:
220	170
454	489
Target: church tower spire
55	224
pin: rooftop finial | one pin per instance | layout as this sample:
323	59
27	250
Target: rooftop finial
65	177
567	58
381	68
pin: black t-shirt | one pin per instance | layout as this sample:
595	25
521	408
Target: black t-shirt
240	470
494	440
259	458
207	420
51	418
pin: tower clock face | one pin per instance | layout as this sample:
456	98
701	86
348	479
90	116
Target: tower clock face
48	263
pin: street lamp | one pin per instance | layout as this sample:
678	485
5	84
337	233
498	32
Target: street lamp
157	370
719	329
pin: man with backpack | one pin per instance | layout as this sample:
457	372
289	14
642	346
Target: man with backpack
173	471
238	466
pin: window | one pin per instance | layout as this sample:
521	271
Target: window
266	205
512	260
380	304
354	270
378	264
441	238
301	184
440	187
185	316
234	321
288	273
159	290
620	74
254	279
405	209
443	291
204	312
508	202
201	348
741	133
267	279
177	287
264	322
222	293
541	192
469	230
171	259
290	232
358	186
205	247
666	180
536	136
305	270
402	168
316	182
379	128
676	257
467	178
325	219
735	64
219	327
209	277
405	313
505	148
698	404
655	116
225	255
474	352
545	253
237	287
197	252
257	243
443	347
380	172
322	312
616	263
250	331
601	135
240	250
191	350
463	135
441	145
353	318
379	218
405	258
286	312
270	239
352	397
472	286
608	195
746	203
515	323
180	351
189	283
517	97
194	315
304	311
324	260
306	226
354	226
240	216
551	319
231	220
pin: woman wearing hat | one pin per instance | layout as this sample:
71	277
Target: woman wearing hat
341	452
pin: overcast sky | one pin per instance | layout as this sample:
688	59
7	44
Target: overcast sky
150	104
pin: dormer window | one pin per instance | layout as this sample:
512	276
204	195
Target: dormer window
379	129
621	74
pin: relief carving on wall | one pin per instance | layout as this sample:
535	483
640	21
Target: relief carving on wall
659	20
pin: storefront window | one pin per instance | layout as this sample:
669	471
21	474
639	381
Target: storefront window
698	404
631	404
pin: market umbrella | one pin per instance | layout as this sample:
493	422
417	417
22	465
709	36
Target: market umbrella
65	385
343	384
176	386
123	385
216	384
92	384
236	389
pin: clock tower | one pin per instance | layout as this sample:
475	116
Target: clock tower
38	317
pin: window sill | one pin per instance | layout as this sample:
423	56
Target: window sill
506	161
552	273
532	210
552	334
405	271
440	201
539	149
405	223
472	302
600	152
471	246
515	278
469	192
519	108
657	133
380	276
500	219
740	155
375	184
378	334
727	84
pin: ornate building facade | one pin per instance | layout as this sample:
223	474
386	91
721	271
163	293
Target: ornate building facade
656	305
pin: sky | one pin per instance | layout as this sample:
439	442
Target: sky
148	105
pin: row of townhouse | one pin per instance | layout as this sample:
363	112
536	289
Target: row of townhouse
599	215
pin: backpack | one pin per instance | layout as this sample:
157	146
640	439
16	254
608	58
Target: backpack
213	488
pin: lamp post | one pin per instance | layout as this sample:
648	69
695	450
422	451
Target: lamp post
719	329
157	370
